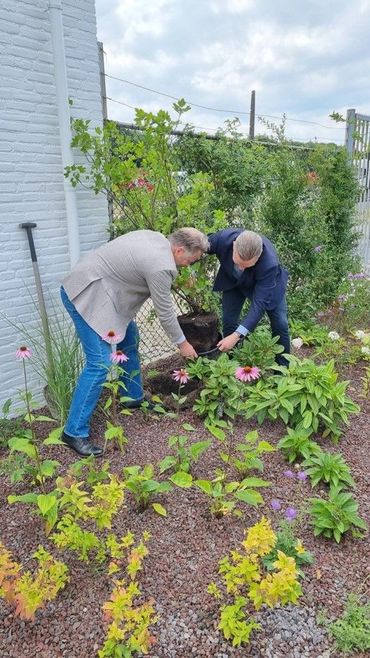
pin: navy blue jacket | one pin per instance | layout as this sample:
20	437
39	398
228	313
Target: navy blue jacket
264	283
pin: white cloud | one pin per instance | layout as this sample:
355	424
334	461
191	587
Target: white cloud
304	60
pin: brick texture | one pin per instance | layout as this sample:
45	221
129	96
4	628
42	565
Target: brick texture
31	170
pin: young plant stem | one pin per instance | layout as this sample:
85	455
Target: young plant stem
33	433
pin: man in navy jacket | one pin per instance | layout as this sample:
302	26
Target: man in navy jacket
249	269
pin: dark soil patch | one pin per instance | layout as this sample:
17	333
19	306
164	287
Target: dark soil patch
185	549
201	330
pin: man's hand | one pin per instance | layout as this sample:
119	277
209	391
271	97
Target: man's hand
187	350
227	343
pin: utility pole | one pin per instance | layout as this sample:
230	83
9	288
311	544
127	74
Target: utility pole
103	90
252	116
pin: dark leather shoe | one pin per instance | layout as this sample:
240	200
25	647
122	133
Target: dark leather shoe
83	447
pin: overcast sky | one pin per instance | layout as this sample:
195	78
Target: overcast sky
304	59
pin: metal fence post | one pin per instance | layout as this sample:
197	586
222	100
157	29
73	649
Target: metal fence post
350	128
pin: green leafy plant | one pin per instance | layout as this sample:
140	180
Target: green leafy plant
90	470
226	495
14	466
307	397
290	545
246	456
30	592
26	441
243	577
8	426
337	515
184	456
221	393
351	631
141	483
260	348
297	445
309	331
28	444
140	172
328	467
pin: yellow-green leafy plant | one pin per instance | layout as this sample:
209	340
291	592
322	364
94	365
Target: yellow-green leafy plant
101	506
249	585
29	592
129	621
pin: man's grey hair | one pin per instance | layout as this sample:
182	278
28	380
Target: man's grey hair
190	238
249	245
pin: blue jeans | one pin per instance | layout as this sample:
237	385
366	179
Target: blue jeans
232	304
89	385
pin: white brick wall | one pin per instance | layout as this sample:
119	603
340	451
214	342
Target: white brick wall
31	171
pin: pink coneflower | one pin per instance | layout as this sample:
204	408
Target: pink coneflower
23	352
111	337
181	376
118	357
247	373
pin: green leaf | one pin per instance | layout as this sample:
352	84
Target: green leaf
166	463
54	438
45	502
24	498
188	427
205	486
182	479
159	509
196	449
22	445
217	432
254	482
48	466
249	496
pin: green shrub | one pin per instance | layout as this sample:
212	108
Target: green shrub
352	630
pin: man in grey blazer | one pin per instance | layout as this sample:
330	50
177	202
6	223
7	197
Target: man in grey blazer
102	294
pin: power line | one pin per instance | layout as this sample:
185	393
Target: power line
204	129
215	109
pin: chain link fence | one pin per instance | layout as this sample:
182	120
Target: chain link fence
154	342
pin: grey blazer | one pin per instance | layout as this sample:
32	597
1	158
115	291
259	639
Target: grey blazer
108	285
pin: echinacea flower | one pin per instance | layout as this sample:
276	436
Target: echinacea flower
111	337
288	474
181	376
290	513
275	504
247	373
302	476
333	335
297	342
118	356
23	352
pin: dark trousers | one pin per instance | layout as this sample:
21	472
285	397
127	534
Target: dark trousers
232	304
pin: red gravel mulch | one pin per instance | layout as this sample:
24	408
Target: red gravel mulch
185	549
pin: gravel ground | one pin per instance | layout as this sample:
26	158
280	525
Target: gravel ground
184	552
